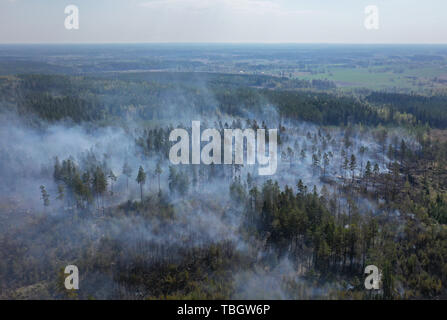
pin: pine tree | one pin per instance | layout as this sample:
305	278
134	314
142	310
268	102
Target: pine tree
99	183
325	163
303	154
315	161
290	155
113	179
127	171
45	196
172	178
368	173
249	181
158	172
345	166
403	151
57	175
382	138
353	166
301	187
362	151
141	179
376	171
60	192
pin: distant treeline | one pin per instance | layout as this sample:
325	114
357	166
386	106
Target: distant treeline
323	108
426	109
89	99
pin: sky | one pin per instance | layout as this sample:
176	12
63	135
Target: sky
233	21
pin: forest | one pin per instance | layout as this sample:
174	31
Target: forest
86	180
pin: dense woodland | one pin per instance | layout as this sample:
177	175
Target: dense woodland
375	195
84	99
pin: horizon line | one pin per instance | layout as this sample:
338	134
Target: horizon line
224	43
